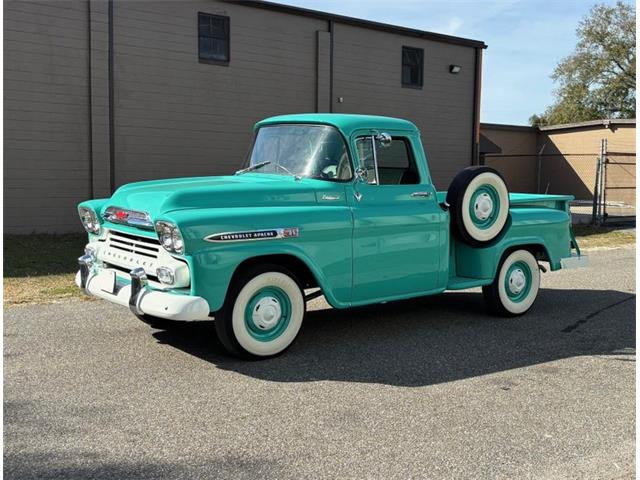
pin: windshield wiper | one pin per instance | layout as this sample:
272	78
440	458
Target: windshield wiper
253	167
268	162
297	177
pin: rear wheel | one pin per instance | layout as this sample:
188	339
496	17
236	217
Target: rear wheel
262	314
516	285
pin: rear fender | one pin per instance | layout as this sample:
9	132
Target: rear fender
543	231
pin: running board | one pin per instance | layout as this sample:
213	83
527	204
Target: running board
461	283
312	295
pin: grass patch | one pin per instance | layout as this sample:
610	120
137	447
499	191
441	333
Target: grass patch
590	236
41	268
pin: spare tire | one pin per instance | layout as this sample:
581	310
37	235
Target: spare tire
478	201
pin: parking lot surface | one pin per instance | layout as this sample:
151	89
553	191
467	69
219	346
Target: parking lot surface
428	388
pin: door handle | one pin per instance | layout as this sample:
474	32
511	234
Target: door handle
421	194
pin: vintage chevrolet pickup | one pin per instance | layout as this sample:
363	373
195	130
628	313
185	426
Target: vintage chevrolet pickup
335	205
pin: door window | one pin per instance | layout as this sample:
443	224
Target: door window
389	163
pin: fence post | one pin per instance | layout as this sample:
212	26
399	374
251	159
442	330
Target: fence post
603	182
596	189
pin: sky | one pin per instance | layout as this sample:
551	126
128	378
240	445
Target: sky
525	38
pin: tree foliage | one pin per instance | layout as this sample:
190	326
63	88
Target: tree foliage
598	80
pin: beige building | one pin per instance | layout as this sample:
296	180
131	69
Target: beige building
99	93
564	159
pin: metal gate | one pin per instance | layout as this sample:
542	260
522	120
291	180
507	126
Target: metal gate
614	198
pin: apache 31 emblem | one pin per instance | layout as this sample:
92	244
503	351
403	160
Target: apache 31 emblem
267	234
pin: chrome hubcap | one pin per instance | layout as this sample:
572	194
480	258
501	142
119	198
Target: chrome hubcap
483	206
517	281
266	313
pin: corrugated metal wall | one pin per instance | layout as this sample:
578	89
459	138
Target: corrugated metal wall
367	74
177	117
518	161
46	112
174	116
576	174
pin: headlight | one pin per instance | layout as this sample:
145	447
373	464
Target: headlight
89	220
170	237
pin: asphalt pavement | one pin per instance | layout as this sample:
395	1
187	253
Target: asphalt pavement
428	388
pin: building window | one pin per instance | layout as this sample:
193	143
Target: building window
213	38
412	66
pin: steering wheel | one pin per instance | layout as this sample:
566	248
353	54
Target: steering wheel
330	171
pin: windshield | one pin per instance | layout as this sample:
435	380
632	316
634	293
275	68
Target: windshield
314	151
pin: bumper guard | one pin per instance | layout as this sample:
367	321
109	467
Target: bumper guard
138	296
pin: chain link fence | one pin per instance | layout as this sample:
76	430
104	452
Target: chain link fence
603	183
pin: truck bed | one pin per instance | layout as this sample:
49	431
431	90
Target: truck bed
524	199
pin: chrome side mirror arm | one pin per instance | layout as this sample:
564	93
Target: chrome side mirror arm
361	175
384	139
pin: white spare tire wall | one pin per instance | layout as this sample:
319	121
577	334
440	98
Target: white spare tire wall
262	314
478	201
516	285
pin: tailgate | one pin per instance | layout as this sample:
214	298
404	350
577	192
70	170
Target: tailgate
557	202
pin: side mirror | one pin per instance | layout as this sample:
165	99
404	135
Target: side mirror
384	139
361	175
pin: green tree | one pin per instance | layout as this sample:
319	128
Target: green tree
599	79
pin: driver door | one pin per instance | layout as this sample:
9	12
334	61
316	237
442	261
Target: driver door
397	222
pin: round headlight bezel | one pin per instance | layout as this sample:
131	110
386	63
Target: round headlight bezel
166	275
170	237
89	220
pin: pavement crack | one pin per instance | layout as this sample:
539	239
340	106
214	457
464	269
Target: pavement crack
575	325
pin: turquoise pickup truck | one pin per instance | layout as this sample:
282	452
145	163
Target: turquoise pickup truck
335	205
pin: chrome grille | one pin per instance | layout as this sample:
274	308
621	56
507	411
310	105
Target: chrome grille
145	246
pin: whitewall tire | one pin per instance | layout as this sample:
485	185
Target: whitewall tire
516	285
263	313
478	201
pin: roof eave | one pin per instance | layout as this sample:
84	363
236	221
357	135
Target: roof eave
306	12
590	123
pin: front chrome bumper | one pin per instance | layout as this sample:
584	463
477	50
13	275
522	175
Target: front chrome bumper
137	295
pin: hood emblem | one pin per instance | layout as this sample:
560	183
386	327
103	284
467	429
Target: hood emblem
267	234
134	218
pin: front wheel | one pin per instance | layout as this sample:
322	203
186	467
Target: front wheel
262	314
516	285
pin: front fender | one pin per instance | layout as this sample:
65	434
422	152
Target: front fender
323	244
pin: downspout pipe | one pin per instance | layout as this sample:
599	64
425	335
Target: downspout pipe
332	27
112	157
90	100
477	89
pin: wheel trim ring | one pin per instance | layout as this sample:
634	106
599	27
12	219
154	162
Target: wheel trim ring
280	326
519	296
492	193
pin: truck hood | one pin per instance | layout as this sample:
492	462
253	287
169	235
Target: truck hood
158	197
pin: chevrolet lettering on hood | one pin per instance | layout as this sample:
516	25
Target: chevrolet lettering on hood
333	205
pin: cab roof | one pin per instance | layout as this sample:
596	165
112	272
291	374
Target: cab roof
347	123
